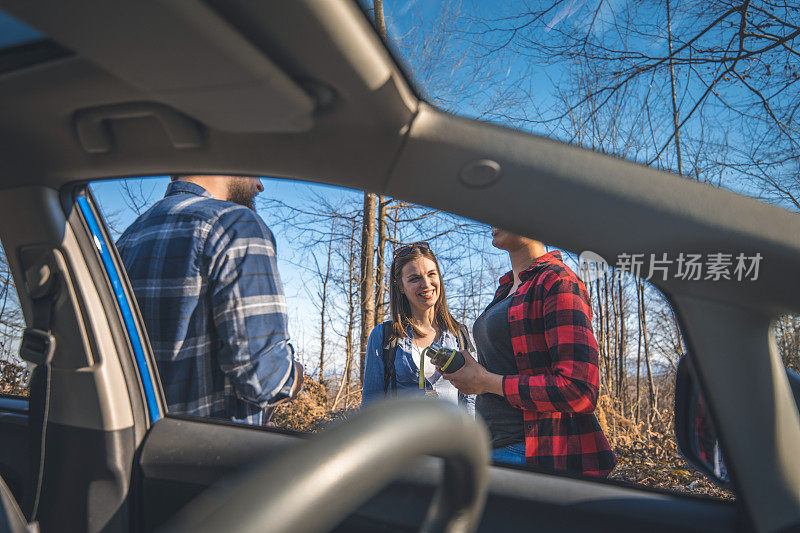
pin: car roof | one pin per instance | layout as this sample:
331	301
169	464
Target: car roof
306	89
295	89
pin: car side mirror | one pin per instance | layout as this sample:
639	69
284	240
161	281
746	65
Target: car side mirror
694	431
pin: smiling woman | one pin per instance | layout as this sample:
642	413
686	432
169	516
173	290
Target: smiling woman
395	360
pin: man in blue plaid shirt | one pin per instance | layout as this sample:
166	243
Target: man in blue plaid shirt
203	268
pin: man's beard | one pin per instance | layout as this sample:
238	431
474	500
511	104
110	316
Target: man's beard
243	192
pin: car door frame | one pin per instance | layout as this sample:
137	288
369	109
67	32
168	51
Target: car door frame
171	473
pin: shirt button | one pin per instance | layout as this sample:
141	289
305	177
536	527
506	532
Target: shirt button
530	427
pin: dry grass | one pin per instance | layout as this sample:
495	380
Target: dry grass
312	409
12	379
647	453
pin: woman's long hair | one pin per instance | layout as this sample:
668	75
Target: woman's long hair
398	303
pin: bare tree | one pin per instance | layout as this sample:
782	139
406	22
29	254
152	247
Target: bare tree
367	278
787	337
380	261
136	194
13	371
719	75
324	279
351	281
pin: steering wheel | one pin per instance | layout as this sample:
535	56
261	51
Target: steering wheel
318	483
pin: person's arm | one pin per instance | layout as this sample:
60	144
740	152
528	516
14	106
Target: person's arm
571	383
249	310
373	369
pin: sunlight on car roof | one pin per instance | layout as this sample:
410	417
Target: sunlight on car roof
15	33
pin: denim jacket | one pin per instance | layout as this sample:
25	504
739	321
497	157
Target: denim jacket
405	368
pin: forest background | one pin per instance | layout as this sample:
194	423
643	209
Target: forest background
706	90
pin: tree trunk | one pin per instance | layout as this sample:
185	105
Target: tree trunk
380	24
601	336
324	298
607	333
367	279
352	299
647	355
617	366
380	292
349	356
675	121
638	345
623	371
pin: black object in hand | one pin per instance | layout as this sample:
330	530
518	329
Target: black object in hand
447	359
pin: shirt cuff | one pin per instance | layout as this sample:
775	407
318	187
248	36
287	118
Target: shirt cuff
511	390
286	390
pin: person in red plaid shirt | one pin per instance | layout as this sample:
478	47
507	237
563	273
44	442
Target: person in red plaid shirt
537	372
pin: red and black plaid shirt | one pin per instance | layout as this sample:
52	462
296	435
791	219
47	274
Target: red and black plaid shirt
558	379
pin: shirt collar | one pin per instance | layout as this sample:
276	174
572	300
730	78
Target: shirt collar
547	258
186	187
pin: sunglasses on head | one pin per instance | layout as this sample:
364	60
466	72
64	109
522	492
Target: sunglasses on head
405	250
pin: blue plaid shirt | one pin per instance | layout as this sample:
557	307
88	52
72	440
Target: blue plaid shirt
205	276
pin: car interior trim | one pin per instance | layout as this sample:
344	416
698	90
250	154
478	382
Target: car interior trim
30	54
243	91
127	313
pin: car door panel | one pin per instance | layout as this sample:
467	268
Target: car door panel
14	451
522	500
86	479
182	456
